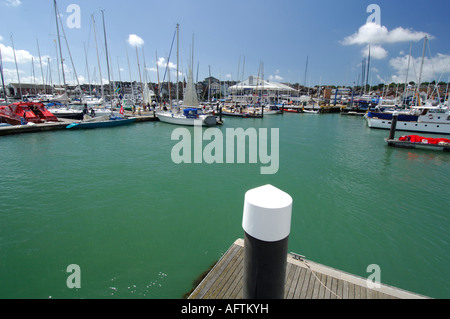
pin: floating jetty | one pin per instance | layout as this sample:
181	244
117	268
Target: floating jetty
62	124
407	144
304	280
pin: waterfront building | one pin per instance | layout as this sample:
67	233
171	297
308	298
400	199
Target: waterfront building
254	87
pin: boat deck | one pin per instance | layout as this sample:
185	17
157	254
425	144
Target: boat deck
304	280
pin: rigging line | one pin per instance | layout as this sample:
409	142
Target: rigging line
68	49
170	52
444	71
431	61
319	279
301	259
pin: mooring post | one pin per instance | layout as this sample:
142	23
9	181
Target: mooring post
267	223
393	125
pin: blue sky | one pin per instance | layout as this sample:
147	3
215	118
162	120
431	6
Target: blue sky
334	35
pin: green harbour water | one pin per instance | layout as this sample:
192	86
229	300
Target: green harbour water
138	225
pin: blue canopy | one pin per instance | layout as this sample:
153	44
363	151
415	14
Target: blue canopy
190	113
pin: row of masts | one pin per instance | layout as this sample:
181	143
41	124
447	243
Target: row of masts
60	60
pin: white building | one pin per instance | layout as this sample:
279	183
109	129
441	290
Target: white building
254	88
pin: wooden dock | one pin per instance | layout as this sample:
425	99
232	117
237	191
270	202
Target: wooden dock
304	280
62	123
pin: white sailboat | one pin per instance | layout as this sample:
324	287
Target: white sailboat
190	114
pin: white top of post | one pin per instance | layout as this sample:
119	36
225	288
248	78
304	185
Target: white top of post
267	213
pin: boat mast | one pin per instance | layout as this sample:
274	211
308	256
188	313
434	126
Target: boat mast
139	69
98	58
157	74
42	70
368	70
1	73
421	68
129	71
17	69
178	43
87	69
107	58
407	73
59	45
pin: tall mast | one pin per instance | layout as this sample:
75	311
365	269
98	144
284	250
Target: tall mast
178	42
157	73
107	59
421	67
42	70
368	69
98	58
407	73
139	69
59	45
87	68
129	71
17	69
1	73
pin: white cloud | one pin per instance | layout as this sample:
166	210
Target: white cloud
372	33
22	56
376	52
434	68
13	3
1	38
163	64
275	78
135	40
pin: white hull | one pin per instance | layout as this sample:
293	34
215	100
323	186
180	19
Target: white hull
310	112
270	112
426	127
178	119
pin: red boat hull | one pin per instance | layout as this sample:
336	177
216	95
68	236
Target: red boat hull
17	113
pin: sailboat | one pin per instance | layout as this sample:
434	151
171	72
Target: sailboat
59	105
190	114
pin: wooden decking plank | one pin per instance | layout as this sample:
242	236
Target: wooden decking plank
311	284
316	287
215	273
305	285
237	286
294	283
290	271
357	292
301	279
351	290
219	271
219	283
304	279
233	278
